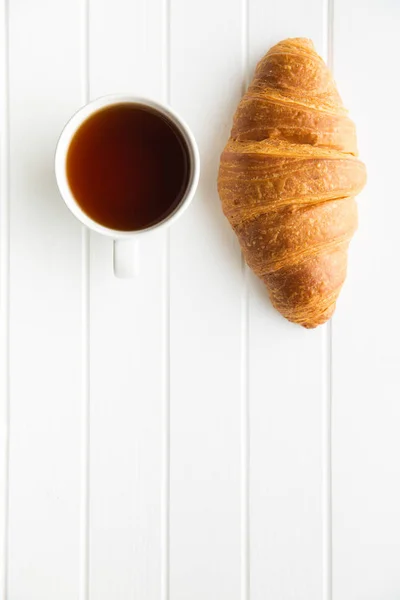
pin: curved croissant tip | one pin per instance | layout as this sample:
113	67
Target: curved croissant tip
301	42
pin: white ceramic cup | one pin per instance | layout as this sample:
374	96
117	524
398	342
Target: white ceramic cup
125	242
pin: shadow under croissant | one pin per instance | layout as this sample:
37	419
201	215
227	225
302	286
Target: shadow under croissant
216	225
259	296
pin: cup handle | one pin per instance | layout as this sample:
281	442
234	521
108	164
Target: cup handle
126	258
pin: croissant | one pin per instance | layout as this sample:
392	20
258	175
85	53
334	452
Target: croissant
287	181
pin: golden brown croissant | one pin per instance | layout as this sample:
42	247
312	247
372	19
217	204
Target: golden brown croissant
287	181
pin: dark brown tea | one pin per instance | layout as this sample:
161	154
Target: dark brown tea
128	167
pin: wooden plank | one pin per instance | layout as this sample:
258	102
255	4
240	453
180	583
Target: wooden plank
205	80
286	395
366	386
4	298
45	308
127	342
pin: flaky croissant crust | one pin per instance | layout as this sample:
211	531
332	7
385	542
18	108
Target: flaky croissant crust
287	181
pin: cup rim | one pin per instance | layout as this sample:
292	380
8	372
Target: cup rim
67	134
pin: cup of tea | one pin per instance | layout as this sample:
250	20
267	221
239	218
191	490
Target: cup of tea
126	166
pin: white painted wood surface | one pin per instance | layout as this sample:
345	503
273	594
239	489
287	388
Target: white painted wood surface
171	436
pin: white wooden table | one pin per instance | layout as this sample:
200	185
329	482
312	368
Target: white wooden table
170	437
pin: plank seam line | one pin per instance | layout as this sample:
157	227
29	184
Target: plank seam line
5	293
328	29
85	344
166	402
245	408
